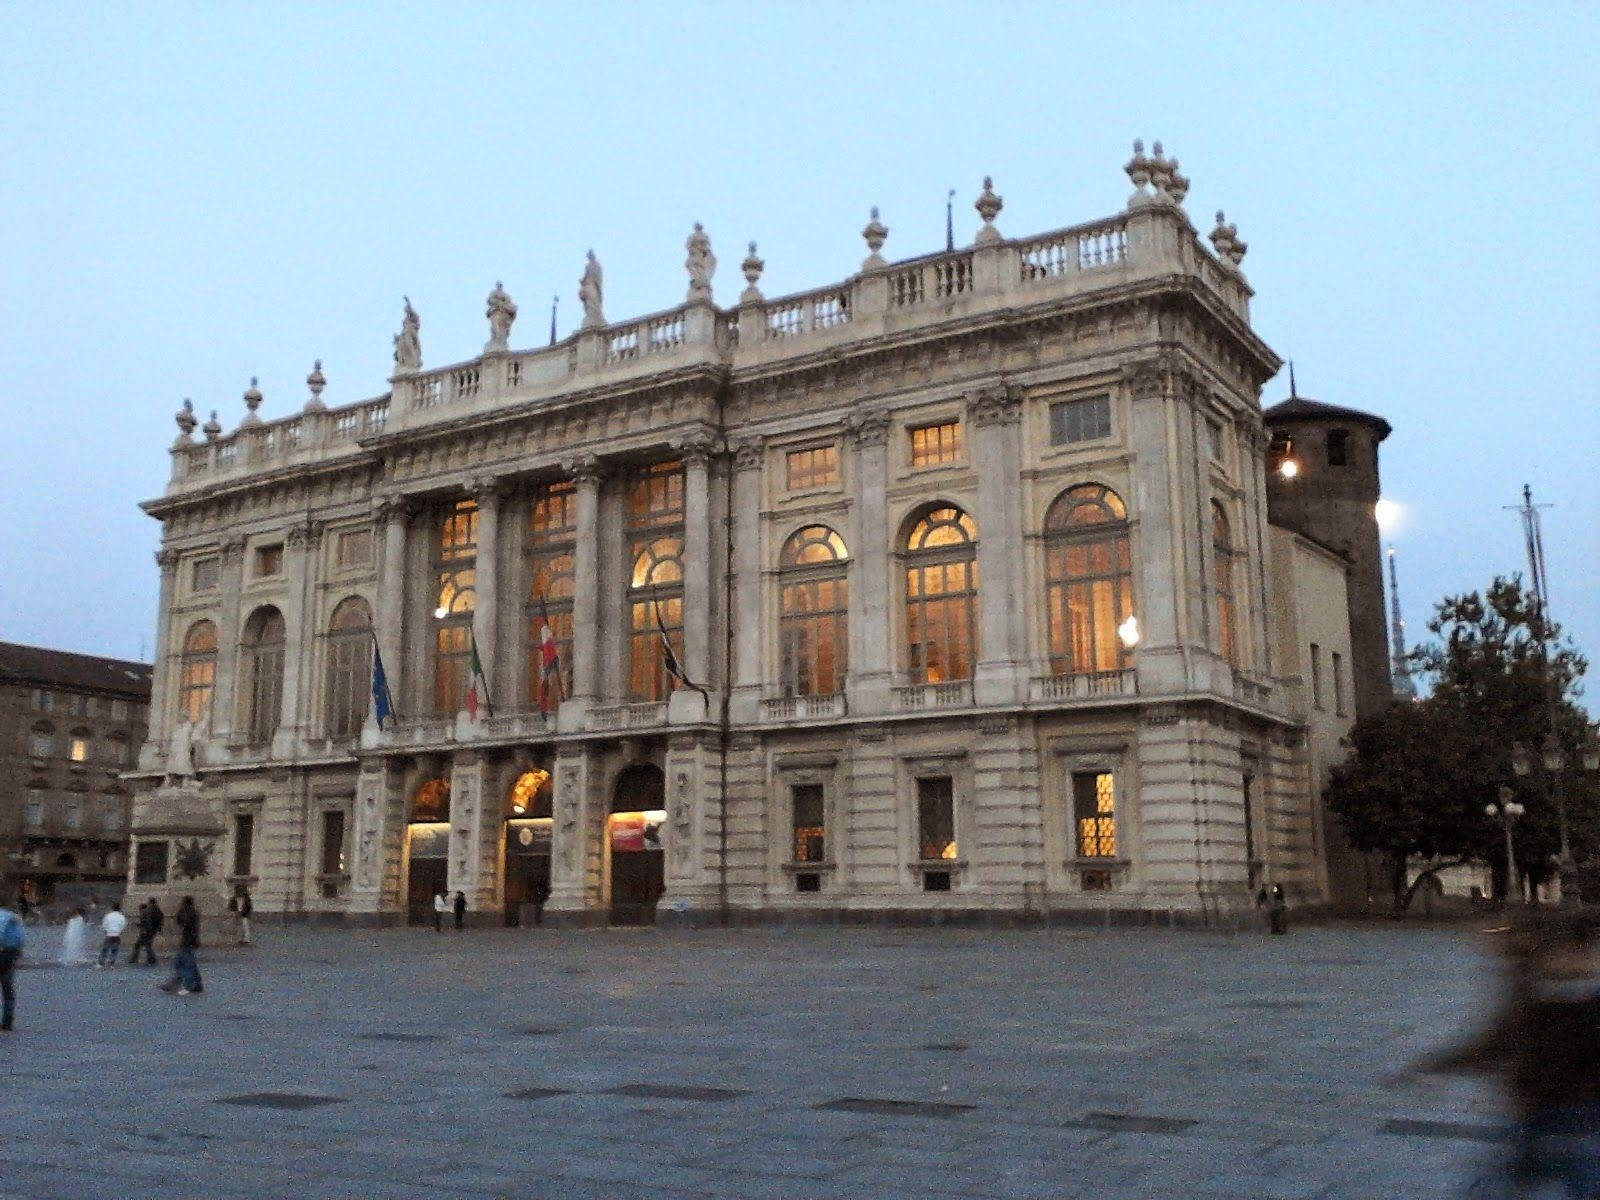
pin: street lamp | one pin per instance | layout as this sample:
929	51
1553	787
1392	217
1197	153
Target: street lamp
1554	760
1507	812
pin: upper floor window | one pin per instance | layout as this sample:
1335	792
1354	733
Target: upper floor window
655	496
936	818
353	548
813	611
33	813
817	467
79	705
941	596
197	672
203	575
264	639
455	566
78	746
1088	580
1085	420
1338	447
655	585
42	740
933	445
1316	676
551	564
119	710
269	560
1222	569
43	701
349	667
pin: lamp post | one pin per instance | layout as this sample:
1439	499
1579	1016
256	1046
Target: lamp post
1554	761
1507	812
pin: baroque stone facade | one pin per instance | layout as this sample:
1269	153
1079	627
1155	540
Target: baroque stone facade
964	563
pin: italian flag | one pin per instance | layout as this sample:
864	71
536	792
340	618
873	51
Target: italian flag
478	684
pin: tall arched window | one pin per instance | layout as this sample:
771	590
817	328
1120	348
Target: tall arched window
813	606
1222	556
263	656
349	668
1088	579
655	587
551	547
455	564
941	596
197	671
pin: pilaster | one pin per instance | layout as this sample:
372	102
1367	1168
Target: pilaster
393	515
995	416
587	475
486	493
302	543
165	662
747	609
223	700
577	851
871	632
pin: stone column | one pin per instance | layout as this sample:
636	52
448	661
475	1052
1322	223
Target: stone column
748	609
467	815
1160	555
698	596
871	632
164	662
486	494
302	543
587	475
393	515
995	415
223	700
577	854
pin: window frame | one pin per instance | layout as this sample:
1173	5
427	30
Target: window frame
928	562
265	645
1057	414
1071	606
956	453
347	669
833	477
813	611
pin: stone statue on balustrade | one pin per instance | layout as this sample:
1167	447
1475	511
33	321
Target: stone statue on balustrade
408	342
502	312
701	263
591	293
182	755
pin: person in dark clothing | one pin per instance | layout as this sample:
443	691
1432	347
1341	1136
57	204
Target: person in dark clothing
244	909
149	924
461	910
1278	910
13	937
186	967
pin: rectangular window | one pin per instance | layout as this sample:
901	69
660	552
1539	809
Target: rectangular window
203	575
810	841
33	815
150	863
75	814
119	710
78	706
333	842
269	560
353	548
936	818
1338	683
43	701
1214	440
1316	675
244	837
1094	813
78	750
41	743
814	468
1085	420
932	445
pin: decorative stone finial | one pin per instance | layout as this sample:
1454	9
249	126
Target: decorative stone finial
252	401
752	266
701	263
1178	185
1160	174
1138	169
212	428
876	233
988	205
591	293
1225	237
186	422
408	342
502	311
316	382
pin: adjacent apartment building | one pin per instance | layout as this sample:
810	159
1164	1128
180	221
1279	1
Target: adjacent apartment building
964	565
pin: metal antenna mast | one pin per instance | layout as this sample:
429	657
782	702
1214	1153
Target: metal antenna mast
1401	683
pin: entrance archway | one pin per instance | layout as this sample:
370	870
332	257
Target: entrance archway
427	848
526	869
633	836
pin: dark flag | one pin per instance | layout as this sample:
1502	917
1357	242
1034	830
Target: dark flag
382	705
669	659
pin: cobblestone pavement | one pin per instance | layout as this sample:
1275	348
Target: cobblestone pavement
753	1063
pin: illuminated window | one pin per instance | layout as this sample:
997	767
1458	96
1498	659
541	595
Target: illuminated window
551	564
813	610
455	566
1088	580
349	679
269	560
263	645
1222	569
1086	420
655	585
530	795
1094	812
941	596
431	801
932	445
814	468
78	746
203	575
936	818
197	671
808	824
353	548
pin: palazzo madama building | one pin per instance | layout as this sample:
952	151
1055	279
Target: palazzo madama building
967	558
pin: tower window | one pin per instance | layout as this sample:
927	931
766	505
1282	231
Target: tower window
1338	447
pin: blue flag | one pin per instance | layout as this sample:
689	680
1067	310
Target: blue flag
382	706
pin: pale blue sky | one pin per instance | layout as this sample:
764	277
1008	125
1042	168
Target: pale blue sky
193	195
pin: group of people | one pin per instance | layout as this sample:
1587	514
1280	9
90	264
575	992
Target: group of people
443	904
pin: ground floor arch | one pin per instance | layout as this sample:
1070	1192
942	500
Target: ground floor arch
525	860
427	848
633	847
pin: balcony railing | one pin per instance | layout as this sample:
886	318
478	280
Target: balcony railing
628	716
934	695
1086	685
801	708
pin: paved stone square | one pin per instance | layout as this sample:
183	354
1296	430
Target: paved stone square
768	1063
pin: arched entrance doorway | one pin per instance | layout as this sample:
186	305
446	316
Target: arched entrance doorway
527	853
633	835
427	848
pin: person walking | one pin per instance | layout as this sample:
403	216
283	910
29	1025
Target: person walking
245	909
149	930
13	937
186	967
111	927
75	941
1278	910
141	926
461	911
439	906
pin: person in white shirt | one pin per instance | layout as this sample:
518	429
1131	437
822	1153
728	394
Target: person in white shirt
111	925
440	906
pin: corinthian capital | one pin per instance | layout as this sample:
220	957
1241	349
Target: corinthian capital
869	426
997	404
696	448
167	559
748	454
586	470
